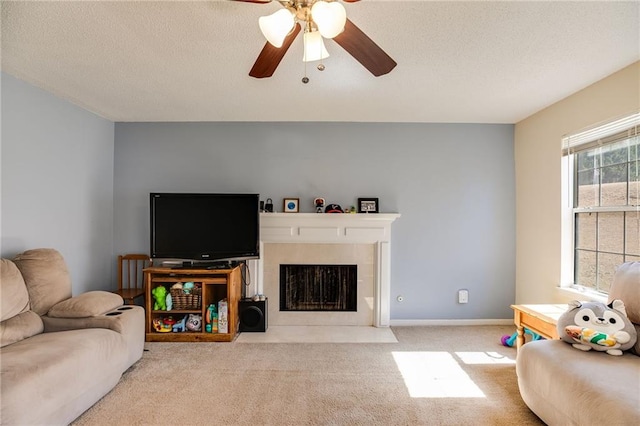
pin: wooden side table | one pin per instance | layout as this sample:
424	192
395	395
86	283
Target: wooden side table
541	319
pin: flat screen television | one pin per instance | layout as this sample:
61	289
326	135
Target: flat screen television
205	227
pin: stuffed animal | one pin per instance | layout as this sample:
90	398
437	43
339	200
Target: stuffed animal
187	288
180	325
160	296
597	326
194	322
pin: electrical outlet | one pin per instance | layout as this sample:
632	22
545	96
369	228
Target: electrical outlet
463	296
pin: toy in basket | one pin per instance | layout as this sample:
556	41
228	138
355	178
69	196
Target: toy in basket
186	296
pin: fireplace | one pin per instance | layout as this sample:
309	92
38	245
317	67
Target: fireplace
327	239
360	257
319	288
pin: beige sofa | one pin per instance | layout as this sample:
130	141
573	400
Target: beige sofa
59	354
565	386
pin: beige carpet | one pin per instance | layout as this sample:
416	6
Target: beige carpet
432	376
320	334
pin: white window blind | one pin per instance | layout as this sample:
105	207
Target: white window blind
612	132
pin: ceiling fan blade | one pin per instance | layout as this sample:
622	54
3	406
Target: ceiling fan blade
270	56
364	50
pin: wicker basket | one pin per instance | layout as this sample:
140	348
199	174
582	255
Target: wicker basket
182	301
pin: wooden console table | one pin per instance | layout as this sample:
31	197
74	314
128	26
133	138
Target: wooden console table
541	319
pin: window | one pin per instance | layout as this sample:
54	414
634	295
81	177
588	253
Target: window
604	169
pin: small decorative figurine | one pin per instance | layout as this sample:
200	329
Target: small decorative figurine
319	204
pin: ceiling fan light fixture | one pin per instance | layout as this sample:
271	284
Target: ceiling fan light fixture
329	17
276	26
328	20
314	49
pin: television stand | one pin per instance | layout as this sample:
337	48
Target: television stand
212	286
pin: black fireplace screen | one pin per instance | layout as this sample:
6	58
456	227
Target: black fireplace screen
318	288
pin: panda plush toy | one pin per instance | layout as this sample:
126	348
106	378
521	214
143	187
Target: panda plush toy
597	326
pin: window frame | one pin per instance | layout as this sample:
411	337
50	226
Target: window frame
596	140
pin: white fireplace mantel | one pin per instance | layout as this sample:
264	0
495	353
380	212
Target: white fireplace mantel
336	228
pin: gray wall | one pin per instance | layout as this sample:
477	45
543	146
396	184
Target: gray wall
452	183
57	182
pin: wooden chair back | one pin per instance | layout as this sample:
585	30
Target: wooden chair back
130	276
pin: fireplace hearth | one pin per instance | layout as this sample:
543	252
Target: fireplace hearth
319	288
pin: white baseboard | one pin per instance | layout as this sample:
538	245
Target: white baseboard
402	323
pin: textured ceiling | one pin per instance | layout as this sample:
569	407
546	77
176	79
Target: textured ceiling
475	62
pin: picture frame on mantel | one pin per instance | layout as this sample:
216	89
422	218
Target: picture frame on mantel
368	205
291	205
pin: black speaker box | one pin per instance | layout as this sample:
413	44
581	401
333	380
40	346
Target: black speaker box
253	315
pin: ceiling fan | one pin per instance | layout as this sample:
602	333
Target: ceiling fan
320	19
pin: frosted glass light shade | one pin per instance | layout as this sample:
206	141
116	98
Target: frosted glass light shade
329	17
276	26
314	49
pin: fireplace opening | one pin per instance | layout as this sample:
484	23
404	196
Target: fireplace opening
319	288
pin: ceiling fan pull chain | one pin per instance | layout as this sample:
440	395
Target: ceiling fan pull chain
305	79
320	65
